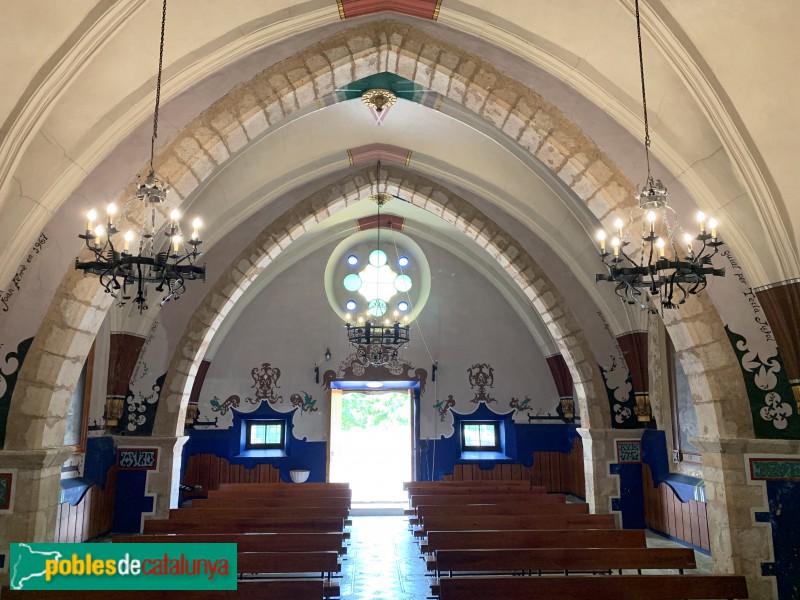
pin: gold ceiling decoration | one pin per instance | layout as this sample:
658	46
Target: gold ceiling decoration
378	99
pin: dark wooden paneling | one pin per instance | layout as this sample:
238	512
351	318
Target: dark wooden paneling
781	305
90	517
122	357
197	386
208	471
664	512
634	347
556	471
561	375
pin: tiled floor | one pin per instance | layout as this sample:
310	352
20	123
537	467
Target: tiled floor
383	562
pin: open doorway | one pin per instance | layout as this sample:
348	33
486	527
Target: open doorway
370	442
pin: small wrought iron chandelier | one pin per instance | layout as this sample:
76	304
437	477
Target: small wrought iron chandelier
125	275
377	342
660	267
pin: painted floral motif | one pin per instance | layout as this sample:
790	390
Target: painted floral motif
444	406
621	413
141	408
771	401
265	383
481	376
776	411
521	406
223	407
305	402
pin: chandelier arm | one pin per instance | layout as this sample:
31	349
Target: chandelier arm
158	84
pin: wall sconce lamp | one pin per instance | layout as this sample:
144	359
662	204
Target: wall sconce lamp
327	355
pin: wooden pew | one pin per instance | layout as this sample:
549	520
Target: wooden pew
318	486
484	489
248	525
500	522
500	508
280	491
629	587
545	538
250	542
562	559
408	485
273	589
261	564
485	510
278	512
312	501
485	497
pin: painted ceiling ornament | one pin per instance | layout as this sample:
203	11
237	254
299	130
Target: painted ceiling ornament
444	406
481	376
776	411
305	402
524	406
223	407
379	101
265	383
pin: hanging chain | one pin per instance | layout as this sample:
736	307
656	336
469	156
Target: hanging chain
158	84
644	94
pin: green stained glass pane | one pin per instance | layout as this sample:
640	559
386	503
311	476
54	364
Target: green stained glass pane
377	258
402	283
377	308
352	282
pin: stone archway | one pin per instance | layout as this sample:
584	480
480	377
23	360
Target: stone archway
303	80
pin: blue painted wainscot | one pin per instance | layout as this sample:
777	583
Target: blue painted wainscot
519	443
229	445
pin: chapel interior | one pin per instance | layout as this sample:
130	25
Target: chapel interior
367	242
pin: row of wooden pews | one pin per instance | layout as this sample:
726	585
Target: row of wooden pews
483	539
290	537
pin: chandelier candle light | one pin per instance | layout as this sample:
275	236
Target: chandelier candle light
122	272
377	342
661	265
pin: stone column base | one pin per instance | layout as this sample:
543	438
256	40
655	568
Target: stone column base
36	481
740	544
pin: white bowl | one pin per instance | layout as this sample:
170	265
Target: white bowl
299	475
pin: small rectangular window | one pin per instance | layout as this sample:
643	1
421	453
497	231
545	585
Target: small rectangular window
265	435
480	436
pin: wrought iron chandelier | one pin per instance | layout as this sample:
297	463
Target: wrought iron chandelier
169	263
661	267
377	342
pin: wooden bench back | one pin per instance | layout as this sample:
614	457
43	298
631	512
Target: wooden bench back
260	542
477	522
558	559
275	589
439	487
629	587
281	491
509	508
309	501
464	490
407	485
247	525
547	538
486	497
287	562
199	515
283	485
